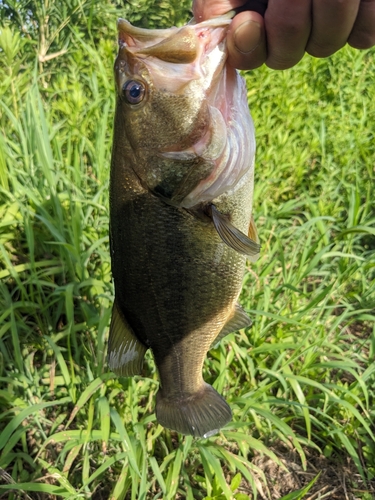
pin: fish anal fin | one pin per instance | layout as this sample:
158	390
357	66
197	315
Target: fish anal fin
232	236
239	319
201	414
125	351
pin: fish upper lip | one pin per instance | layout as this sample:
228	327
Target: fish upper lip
145	33
127	27
129	35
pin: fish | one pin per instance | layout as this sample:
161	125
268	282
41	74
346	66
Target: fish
181	224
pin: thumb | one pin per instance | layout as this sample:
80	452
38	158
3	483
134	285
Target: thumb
247	41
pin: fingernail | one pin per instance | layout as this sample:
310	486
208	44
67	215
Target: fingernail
247	37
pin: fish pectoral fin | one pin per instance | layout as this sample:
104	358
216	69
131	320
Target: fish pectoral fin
125	351
232	236
239	319
253	235
253	232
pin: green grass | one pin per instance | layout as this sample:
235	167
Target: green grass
302	378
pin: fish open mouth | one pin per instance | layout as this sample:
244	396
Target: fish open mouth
192	52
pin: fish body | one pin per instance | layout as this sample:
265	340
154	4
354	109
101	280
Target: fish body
180	212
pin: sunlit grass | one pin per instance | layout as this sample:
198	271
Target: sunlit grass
302	375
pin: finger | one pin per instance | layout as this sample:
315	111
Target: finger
247	41
288	27
363	32
332	22
259	6
207	9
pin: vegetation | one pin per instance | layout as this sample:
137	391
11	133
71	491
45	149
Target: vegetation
300	381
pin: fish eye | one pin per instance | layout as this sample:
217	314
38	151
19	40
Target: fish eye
133	91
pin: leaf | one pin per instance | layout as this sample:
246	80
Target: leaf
106	465
217	469
18	419
61	361
86	395
38	487
236	481
63	481
132	456
157	473
120	488
72	455
300	494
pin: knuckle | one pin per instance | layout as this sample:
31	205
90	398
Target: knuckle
362	41
322	51
278	62
286	27
324	46
246	62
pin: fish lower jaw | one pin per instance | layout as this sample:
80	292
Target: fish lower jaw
201	414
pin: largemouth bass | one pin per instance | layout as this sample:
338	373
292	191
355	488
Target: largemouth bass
181	212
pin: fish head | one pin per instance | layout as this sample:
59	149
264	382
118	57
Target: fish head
163	78
174	103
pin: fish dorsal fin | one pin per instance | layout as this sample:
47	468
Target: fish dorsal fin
125	351
239	319
232	236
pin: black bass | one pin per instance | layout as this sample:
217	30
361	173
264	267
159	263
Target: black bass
181	212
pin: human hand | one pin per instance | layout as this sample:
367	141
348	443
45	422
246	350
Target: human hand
279	32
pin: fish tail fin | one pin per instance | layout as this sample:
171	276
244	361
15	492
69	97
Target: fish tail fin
201	414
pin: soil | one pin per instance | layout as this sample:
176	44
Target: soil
337	480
